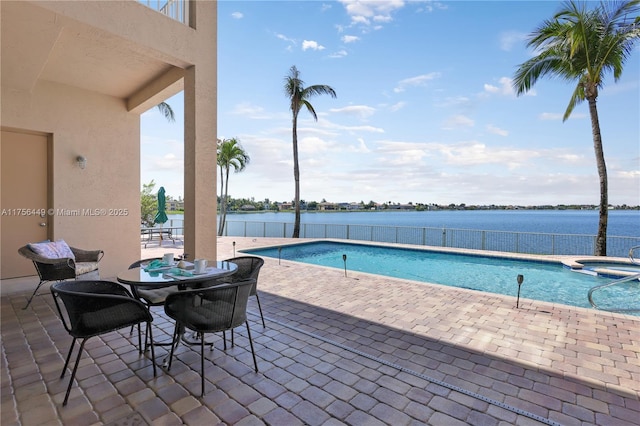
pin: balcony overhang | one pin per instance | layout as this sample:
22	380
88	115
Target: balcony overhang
40	43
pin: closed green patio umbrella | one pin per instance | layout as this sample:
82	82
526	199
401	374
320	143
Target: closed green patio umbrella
161	216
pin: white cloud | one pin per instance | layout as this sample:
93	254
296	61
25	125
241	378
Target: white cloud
339	54
247	109
362	11
291	41
458	121
361	111
505	88
349	38
459	101
169	161
510	38
311	44
237	15
550	116
397	106
362	147
496	130
420	80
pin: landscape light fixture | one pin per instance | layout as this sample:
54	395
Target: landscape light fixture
81	160
344	259
520	279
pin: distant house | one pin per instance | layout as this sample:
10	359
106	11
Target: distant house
407	207
327	206
248	207
173	205
285	206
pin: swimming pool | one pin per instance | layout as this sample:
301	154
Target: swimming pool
543	280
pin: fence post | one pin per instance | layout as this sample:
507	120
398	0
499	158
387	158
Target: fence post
484	240
424	236
348	229
444	237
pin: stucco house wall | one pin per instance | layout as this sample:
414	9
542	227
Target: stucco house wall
83	72
100	128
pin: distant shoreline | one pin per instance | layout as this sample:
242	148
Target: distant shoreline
536	208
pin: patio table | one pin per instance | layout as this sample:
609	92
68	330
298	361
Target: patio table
165	277
169	276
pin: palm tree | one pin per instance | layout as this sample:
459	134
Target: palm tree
230	154
167	111
581	46
299	97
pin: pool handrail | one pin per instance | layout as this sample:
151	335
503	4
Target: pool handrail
633	260
615	282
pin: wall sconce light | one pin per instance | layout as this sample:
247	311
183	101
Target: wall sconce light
82	161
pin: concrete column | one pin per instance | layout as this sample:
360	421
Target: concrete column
200	132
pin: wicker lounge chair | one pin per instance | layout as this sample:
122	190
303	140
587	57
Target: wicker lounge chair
84	266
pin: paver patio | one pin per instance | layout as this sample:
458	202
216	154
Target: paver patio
359	350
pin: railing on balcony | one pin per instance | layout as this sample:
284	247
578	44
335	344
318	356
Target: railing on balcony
175	9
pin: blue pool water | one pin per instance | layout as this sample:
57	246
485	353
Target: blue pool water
545	281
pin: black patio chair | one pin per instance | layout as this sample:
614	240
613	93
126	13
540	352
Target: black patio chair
209	310
85	265
248	269
150	297
92	308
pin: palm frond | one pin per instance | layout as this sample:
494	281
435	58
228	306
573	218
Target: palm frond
167	111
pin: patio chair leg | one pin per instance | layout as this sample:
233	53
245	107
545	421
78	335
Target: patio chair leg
140	349
174	344
33	295
153	352
260	309
66	363
202	364
73	374
255	363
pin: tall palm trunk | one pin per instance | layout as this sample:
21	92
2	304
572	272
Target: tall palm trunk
296	177
601	237
222	204
223	219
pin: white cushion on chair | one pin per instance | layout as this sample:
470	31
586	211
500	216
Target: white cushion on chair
53	249
86	267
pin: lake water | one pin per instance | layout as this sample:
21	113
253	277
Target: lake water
621	222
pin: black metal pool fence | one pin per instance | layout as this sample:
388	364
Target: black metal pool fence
505	241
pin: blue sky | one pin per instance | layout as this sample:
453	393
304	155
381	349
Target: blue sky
425	111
